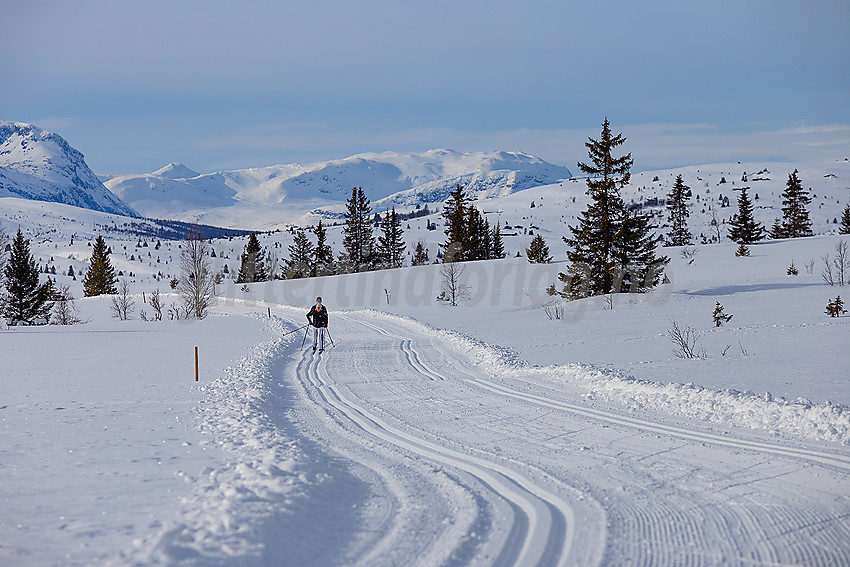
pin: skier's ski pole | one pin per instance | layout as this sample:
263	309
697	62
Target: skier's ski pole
330	337
293	330
307	330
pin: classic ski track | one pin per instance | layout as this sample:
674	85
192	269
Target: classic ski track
548	527
822	457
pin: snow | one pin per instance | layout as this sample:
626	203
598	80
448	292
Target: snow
482	434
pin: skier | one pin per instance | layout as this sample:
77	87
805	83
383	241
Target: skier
318	317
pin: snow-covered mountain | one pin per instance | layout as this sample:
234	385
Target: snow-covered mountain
42	166
271	196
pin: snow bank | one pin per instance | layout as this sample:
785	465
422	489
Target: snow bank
224	517
822	422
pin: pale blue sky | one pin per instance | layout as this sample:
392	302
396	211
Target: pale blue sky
222	85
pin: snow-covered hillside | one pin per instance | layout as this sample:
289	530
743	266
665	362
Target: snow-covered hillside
271	197
483	434
40	165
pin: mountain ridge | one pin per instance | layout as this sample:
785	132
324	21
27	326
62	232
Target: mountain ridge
42	166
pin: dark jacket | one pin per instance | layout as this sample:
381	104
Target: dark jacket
318	316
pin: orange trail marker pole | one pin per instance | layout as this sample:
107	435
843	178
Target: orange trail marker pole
196	364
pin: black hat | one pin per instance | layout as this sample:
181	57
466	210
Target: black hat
319	299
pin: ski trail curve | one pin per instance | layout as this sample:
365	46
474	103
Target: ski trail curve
547	532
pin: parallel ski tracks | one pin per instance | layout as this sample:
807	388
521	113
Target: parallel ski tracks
822	457
543	527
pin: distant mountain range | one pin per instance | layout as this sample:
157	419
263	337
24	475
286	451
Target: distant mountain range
42	166
269	196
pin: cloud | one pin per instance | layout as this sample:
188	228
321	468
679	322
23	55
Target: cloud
653	146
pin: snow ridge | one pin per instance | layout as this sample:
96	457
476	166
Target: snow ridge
801	418
223	518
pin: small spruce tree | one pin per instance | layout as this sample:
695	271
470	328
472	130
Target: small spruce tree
744	229
420	254
100	278
844	228
25	299
538	252
835	308
252	269
792	270
719	316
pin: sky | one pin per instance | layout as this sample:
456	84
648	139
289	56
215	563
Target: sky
229	85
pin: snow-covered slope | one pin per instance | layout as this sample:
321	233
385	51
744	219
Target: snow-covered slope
42	166
270	197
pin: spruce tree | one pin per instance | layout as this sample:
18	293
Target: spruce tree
743	227
498	247
456	211
677	205
538	252
359	242
795	216
24	299
476	243
100	278
252	269
323	255
301	254
420	255
639	269
391	243
592	243
844	228
777	230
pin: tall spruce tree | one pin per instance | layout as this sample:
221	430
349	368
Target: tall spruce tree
456	211
252	268
677	205
323	258
100	278
498	248
795	216
359	242
24	299
4	241
844	227
476	244
593	263
391	242
743	228
301	254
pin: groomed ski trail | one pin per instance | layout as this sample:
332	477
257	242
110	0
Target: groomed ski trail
396	386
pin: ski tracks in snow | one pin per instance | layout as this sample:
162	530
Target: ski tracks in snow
568	502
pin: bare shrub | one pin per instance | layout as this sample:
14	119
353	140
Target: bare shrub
685	341
836	271
64	307
451	285
196	278
554	311
122	303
